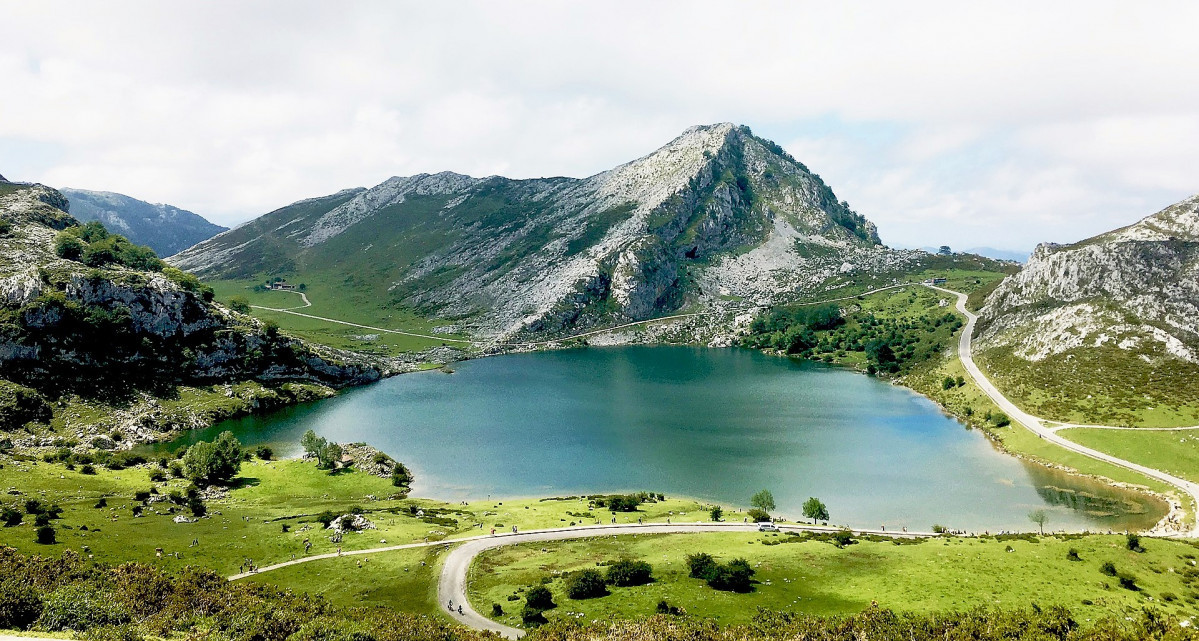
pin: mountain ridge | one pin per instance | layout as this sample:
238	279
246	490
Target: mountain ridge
164	228
716	211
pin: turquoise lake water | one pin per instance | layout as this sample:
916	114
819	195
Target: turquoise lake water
716	424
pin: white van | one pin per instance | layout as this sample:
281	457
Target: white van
767	526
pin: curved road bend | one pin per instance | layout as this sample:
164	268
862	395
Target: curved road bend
1036	425
451	586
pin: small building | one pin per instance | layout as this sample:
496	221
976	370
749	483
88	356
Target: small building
281	285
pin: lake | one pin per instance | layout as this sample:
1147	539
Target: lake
716	424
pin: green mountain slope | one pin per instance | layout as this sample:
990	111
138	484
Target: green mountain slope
716	213
1104	330
163	228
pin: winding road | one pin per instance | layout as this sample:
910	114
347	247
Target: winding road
452	584
1037	426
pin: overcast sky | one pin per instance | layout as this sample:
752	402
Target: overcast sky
945	123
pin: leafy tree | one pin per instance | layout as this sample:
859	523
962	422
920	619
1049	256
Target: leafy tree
758	515
327	454
625	572
400	475
10	516
948	383
1040	517
763	500
532	617
208	463
623	502
69	247
1133	542
585	584
716	512
239	304
944	250
539	597
734	576
264	452
815	509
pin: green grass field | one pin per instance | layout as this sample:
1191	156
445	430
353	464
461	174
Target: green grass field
817	577
1175	452
331	300
248	522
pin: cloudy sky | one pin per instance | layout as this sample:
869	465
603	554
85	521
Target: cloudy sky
945	123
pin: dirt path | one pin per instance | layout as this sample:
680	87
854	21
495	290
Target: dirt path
1037	426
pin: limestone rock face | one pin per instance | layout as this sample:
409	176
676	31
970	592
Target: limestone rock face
1135	289
715	212
147	323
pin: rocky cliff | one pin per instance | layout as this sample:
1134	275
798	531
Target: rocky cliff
94	328
716	213
163	228
1119	311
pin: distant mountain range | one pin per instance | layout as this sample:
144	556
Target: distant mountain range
716	214
989	252
165	229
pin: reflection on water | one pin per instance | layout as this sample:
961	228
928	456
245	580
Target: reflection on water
718	424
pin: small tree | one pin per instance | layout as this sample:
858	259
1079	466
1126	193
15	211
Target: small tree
815	509
239	304
216	462
716	512
700	565
1133	542
45	535
1040	518
944	250
763	500
948	383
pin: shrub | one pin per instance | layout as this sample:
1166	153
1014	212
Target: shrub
623	502
666	608
41	519
1133	543
34	506
758	515
400	475
216	462
102	503
239	304
497	610
78	608
1108	568
939	529
624	573
842	538
265	453
325	518
701	565
20	605
532	617
45	535
734	576
1128	581
585	584
141	496
539	598
157	474
176	469
1072	555
716	513
10	516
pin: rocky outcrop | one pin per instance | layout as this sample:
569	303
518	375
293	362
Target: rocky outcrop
110	330
1136	288
717	212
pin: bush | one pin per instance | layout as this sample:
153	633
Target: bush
532	617
325	518
78	608
102	503
45	535
666	608
20	605
716	513
141	496
265	453
758	515
701	565
539	598
1072	555
87	469
41	519
400	476
239	304
1128	581
734	576
842	538
497	610
158	475
585	584
34	506
624	573
11	517
1108	568
1133	543
623	502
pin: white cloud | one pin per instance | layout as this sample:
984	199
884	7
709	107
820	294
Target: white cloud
952	122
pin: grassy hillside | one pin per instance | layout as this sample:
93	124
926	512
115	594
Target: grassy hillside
797	574
1175	452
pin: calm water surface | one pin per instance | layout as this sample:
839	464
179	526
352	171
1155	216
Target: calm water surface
717	424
